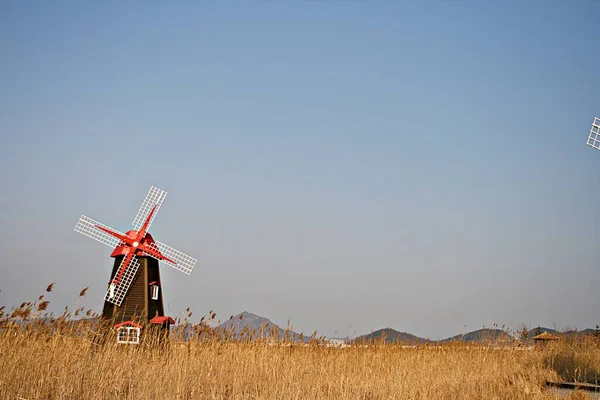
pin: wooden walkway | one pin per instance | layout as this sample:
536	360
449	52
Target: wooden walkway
568	387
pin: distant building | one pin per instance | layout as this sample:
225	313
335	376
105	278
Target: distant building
544	338
337	342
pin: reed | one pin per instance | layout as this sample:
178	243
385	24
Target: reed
52	357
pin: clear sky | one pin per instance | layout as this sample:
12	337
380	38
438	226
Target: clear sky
348	165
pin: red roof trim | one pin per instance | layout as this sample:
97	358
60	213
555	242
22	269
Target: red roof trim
127	323
162	320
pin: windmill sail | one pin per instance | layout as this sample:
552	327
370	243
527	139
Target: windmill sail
88	227
155	197
183	262
594	136
117	292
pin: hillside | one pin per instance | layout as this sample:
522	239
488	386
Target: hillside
585	332
247	324
390	335
588	331
481	335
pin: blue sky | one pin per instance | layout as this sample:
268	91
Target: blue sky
348	165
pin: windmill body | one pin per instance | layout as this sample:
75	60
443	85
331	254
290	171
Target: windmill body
144	299
134	297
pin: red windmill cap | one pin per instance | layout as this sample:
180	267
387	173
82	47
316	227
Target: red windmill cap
162	320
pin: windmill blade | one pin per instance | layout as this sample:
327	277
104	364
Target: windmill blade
183	262
116	293
594	136
88	227
154	197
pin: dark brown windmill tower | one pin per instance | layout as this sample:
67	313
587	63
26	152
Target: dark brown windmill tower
134	298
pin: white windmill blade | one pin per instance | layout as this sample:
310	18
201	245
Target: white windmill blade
183	262
116	293
155	197
594	136
89	227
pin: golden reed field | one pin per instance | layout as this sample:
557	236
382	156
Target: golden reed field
57	360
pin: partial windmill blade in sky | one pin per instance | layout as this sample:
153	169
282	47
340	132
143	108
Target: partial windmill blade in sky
117	292
88	227
183	262
594	136
155	197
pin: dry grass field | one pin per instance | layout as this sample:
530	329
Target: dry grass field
43	363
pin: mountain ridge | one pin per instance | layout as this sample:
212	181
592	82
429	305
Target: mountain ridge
390	335
250	325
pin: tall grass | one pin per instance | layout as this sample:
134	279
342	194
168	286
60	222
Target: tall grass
57	360
575	359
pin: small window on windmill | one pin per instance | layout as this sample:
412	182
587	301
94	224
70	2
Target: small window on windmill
128	335
154	288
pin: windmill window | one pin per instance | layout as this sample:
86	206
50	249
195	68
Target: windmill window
155	292
128	335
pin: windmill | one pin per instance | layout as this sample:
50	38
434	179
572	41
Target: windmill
594	136
134	290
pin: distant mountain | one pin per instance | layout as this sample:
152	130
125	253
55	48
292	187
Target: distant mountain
588	331
585	332
389	335
246	325
481	335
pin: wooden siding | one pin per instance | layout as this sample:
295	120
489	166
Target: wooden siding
138	304
155	307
